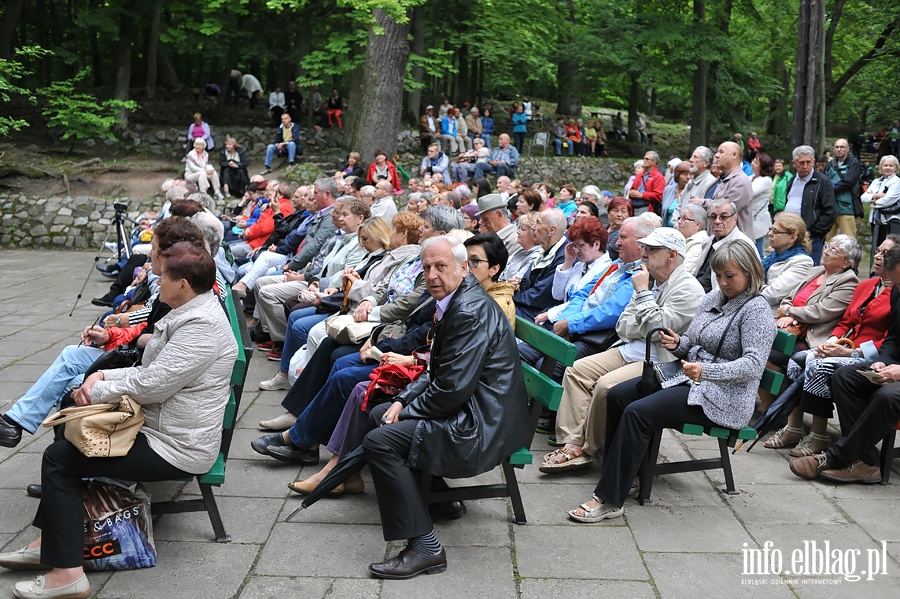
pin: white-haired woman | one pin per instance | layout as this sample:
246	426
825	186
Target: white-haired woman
197	169
884	194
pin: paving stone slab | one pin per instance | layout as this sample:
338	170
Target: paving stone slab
321	550
607	552
16	511
280	587
471	572
554	588
686	529
246	520
186	570
878	517
794	503
692	575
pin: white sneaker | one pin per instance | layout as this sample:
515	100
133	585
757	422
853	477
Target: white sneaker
279	382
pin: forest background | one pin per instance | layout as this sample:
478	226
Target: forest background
723	65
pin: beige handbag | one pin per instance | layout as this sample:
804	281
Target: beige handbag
343	329
101	430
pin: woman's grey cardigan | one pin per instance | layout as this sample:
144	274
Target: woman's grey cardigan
728	384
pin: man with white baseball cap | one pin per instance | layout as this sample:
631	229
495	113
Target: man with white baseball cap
665	295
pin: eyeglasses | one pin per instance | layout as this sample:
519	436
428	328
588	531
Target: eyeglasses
833	250
580	245
683	219
474	262
720	217
774	231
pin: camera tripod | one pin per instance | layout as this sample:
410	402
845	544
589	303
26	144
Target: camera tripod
123	245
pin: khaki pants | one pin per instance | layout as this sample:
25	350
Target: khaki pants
581	419
271	293
846	223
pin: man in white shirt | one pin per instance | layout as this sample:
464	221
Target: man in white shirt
384	201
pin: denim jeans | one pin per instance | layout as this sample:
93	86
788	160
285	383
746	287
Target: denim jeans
271	150
67	370
558	144
816	254
300	322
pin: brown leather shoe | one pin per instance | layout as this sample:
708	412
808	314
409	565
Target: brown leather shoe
408	564
857	472
811	466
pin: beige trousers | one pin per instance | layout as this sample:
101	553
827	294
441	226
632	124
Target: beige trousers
271	293
846	223
581	419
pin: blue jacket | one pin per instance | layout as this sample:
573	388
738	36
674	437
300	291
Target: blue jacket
519	121
448	126
604	316
295	134
510	155
487	124
535	293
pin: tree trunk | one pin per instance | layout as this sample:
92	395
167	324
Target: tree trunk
778	124
633	99
568	103
123	62
377	117
462	78
836	12
806	92
414	98
96	60
168	71
8	27
152	43
698	95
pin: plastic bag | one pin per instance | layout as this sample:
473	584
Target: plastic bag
118	528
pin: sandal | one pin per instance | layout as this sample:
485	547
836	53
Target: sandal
811	444
785	437
564	459
592	515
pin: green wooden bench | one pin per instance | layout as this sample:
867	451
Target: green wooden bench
542	391
216	474
771	381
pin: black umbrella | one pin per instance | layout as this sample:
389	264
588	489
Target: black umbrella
787	401
649	383
876	229
348	465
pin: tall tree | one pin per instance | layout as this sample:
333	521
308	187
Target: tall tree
8	26
699	130
809	43
376	120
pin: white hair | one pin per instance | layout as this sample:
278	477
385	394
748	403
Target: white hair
455	245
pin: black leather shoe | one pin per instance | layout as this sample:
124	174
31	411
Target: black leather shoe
10	433
34	491
275	446
102	301
451	510
110	274
106	267
409	563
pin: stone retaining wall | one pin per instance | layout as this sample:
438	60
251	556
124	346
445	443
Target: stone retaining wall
83	222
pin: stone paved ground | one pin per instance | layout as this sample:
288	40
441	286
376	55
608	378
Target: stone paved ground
687	542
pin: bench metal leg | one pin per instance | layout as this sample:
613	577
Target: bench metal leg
887	454
648	468
512	487
726	467
209	500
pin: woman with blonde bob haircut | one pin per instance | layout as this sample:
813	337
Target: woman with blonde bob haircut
789	263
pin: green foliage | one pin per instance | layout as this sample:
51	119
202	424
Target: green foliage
11	73
79	115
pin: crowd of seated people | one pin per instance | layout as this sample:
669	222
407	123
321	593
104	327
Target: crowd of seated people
343	245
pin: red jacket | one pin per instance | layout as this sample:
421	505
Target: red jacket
873	324
370	176
654	185
265	226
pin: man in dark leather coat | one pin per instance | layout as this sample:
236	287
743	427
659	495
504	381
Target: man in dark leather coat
467	415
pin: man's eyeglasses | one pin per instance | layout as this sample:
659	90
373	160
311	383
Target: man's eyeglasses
720	217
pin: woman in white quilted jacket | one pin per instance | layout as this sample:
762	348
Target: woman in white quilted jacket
182	386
